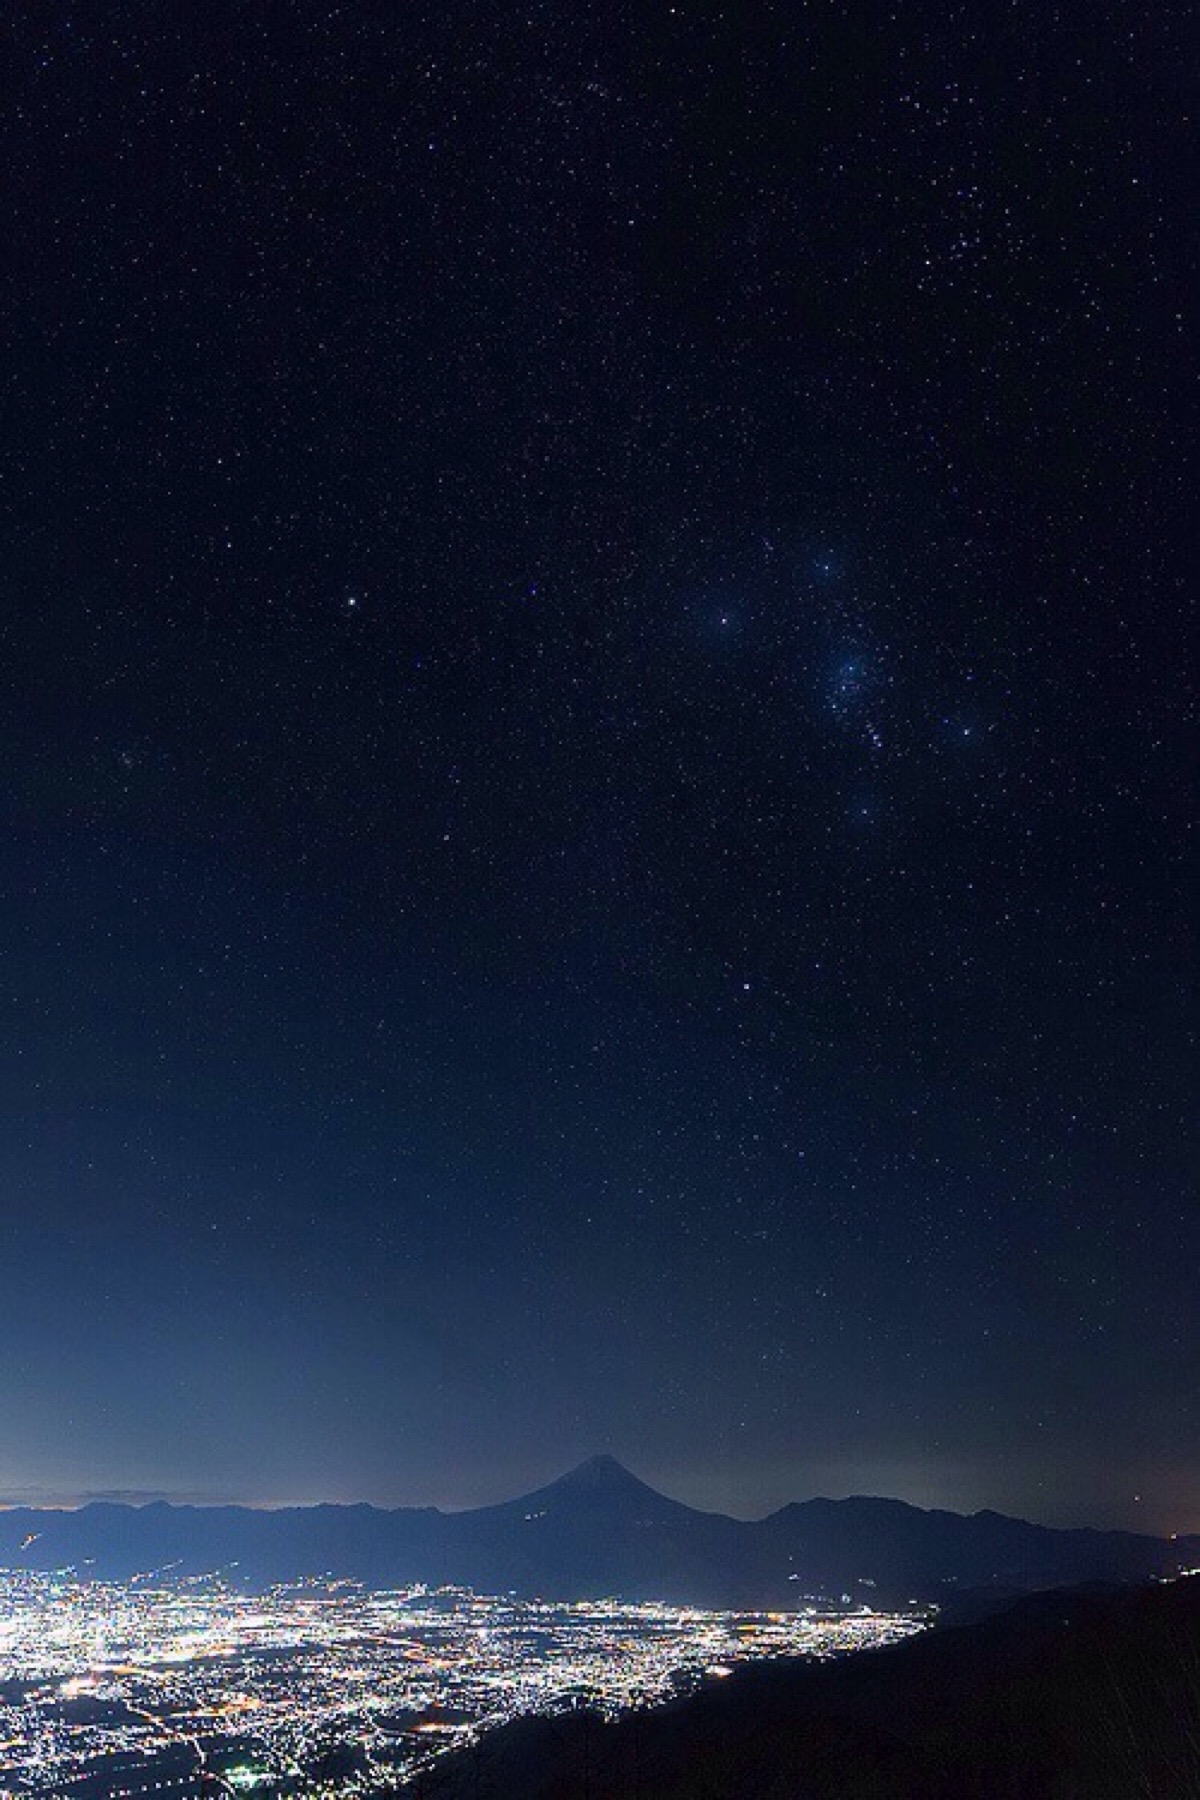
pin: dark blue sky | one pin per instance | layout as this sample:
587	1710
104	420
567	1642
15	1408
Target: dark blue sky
595	757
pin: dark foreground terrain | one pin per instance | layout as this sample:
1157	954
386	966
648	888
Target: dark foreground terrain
1085	1694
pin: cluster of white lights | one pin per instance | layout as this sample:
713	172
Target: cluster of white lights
145	1687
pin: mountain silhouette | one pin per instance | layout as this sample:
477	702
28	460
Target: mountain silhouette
602	1480
597	1531
600	1488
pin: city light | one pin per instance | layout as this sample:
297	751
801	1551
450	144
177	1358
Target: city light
131	1689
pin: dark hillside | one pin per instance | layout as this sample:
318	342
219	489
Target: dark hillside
1075	1695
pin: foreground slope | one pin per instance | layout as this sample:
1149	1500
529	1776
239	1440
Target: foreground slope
1087	1694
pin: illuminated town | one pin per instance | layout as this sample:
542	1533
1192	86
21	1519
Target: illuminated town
110	1691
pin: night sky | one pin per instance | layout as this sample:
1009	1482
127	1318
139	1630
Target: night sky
595	753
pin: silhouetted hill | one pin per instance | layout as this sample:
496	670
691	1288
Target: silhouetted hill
600	1485
599	1530
596	1531
899	1546
1071	1695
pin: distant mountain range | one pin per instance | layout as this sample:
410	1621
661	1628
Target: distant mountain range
597	1531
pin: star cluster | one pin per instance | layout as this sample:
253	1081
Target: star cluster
595	754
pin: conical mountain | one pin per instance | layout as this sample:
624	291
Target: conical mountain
597	1530
599	1488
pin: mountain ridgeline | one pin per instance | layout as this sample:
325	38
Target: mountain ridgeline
597	1531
